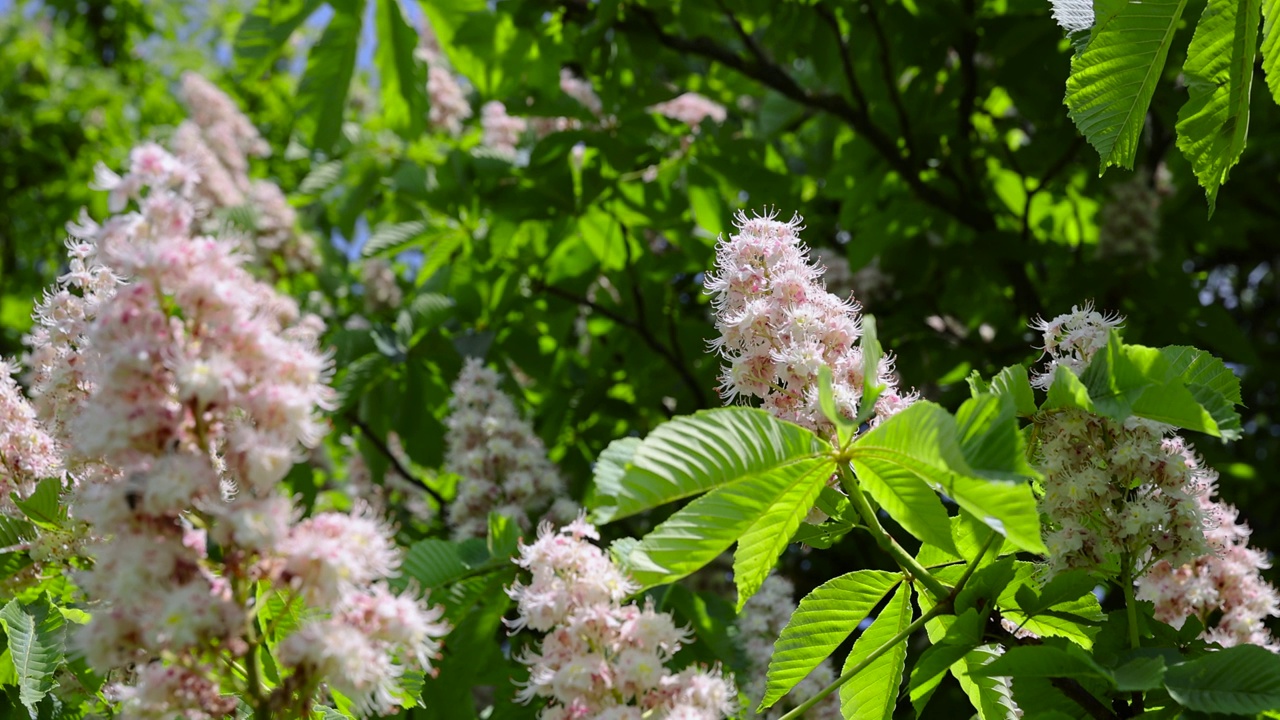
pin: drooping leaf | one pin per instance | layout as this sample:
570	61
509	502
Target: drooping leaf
695	453
1113	79
823	620
402	77
872	694
1213	125
322	92
1066	392
1242	680
990	440
900	463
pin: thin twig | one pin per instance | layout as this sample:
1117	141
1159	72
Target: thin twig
846	59
648	337
772	75
890	80
382	447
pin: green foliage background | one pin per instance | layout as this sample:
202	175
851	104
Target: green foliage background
927	136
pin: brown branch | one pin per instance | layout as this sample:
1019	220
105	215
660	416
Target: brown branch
890	81
967	51
648	337
382	447
773	76
846	59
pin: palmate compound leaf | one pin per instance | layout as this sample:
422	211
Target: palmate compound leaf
696	453
872	694
1213	125
760	512
823	620
923	447
1114	77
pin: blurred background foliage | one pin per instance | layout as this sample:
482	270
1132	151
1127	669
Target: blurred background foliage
925	142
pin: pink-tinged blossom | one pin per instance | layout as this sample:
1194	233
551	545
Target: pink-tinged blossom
580	90
330	555
690	109
449	106
181	390
382	291
28	453
1112	490
779	326
162	692
599	657
1071	340
502	132
218	142
1228	579
500	461
760	622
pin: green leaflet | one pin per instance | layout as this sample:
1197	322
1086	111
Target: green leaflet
696	453
923	445
762	510
402	77
322	92
265	30
1113	79
873	693
37	642
1271	46
1240	680
1213	125
823	620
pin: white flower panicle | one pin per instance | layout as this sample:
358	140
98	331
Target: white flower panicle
691	109
1228	579
1073	15
382	291
1129	224
1113	489
28	453
1072	339
449	106
181	398
580	90
779	326
500	461
760	623
218	142
502	132
601	658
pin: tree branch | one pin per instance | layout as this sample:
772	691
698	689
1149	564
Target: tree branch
382	447
890	81
773	76
846	60
648	337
